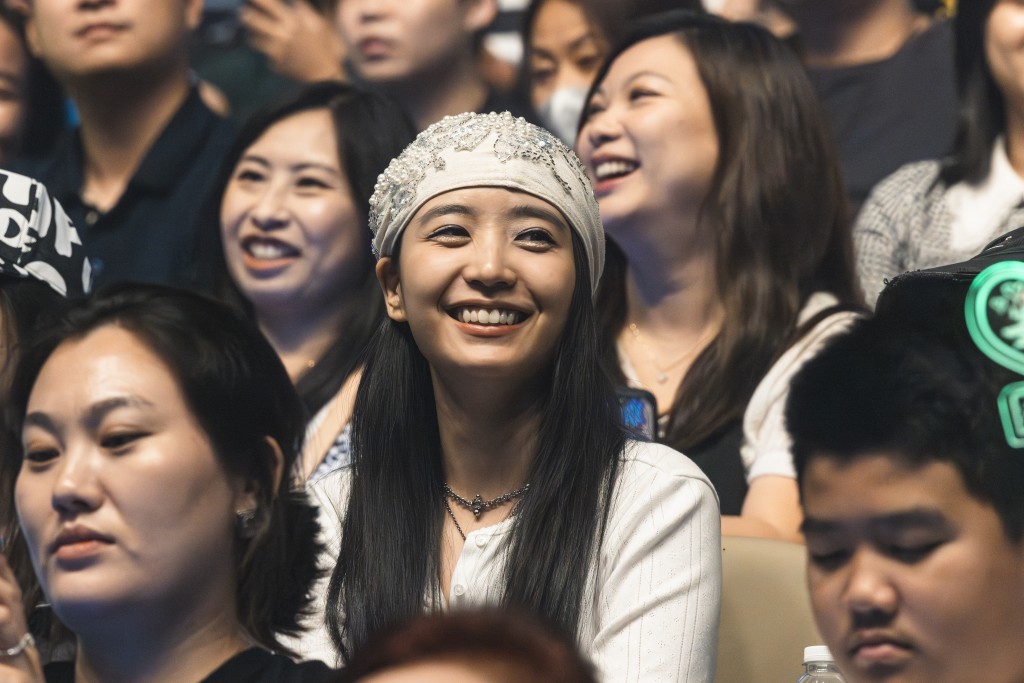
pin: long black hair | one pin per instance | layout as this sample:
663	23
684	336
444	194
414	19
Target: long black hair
776	209
390	552
982	115
370	130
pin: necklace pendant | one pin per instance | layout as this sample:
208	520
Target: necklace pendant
661	377
478	506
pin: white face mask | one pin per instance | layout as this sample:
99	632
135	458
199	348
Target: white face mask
561	112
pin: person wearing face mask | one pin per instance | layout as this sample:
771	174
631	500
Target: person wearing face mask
565	43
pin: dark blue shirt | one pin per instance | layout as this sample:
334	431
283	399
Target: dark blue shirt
154	231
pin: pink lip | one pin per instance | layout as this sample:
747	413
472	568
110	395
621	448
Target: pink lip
373	47
264	265
483	330
874	650
100	30
77	542
605	186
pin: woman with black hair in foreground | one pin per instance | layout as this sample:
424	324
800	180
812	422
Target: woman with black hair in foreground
157	430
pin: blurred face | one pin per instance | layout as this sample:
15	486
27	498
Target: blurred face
79	38
291	230
390	41
911	578
565	50
1004	51
468	669
13	71
484	278
122	500
649	140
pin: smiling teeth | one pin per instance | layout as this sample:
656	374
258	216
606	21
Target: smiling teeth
267	250
488	317
608	169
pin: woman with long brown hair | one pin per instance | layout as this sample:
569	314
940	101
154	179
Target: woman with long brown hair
731	259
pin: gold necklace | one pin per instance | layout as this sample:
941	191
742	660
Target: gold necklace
663	376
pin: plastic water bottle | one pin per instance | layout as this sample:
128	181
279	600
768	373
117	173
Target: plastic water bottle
819	666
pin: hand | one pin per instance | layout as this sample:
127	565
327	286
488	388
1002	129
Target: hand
25	667
299	42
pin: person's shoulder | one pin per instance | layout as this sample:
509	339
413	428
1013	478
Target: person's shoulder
910	184
257	665
643	460
937	37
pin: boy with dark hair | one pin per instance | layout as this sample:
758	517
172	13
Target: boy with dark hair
912	489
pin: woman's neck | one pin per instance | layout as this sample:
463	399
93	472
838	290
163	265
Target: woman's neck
668	298
128	651
428	97
672	313
1015	139
836	34
300	339
488	437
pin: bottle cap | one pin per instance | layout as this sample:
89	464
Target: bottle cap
817	653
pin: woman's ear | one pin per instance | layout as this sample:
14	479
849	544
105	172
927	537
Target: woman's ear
479	14
249	496
390	283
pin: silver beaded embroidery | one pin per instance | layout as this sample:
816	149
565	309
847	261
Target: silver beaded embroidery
515	138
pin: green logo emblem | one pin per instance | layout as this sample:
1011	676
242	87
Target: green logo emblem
995	318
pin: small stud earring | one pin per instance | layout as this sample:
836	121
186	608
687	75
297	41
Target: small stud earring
246	522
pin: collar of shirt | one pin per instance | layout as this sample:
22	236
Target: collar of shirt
978	211
161	166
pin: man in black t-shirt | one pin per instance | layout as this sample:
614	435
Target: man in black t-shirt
884	73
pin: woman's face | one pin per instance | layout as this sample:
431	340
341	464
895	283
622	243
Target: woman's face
1004	50
649	141
293	236
484	278
566	50
122	500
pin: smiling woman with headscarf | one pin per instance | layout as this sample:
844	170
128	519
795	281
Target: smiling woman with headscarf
489	466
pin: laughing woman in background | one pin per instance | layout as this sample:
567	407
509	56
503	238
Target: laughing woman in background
293	225
730	258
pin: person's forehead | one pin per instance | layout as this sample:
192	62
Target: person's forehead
880	485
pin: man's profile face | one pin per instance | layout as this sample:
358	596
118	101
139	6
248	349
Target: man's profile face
79	38
911	578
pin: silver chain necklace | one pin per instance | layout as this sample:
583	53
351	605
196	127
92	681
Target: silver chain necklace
478	505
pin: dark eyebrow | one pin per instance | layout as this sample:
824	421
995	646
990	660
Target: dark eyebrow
41	420
255	158
93	415
927	517
445	210
573	45
647	73
539	212
99	410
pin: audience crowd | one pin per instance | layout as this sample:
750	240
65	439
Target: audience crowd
386	340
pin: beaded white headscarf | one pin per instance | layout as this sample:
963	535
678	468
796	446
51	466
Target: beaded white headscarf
486	150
